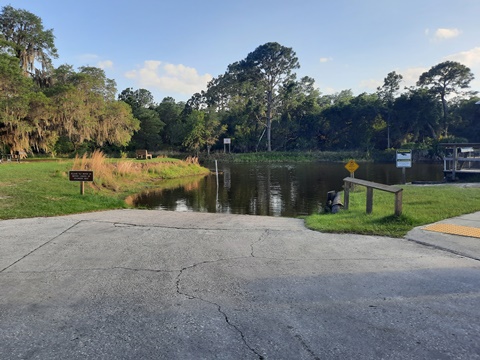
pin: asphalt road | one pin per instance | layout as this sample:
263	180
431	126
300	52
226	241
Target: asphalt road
138	284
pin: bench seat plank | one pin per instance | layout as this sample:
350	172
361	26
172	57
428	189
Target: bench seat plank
383	187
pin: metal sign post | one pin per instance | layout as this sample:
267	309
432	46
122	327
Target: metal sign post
225	142
404	160
352	166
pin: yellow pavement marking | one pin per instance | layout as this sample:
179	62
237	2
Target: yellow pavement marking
454	229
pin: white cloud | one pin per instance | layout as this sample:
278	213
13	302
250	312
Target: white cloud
328	90
370	84
325	59
411	76
106	64
470	58
88	57
445	34
169	77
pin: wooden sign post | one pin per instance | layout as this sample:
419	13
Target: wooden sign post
351	166
82	176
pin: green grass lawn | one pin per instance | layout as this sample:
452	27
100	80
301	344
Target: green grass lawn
31	189
43	189
421	205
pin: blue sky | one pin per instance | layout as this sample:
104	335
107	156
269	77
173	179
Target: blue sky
173	48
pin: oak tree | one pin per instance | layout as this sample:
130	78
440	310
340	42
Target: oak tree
24	34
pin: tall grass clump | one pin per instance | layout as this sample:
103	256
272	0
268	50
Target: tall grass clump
124	168
113	175
102	170
192	160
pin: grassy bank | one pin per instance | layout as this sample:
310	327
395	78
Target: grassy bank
292	156
30	189
421	205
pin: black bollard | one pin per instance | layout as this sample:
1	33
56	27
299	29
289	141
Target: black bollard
336	203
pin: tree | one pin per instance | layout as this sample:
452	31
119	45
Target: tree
444	79
342	97
466	112
239	104
96	82
15	91
297	126
30	42
141	101
84	108
149	135
269	66
138	98
170	113
386	93
418	114
367	124
205	129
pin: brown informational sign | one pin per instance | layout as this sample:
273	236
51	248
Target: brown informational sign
75	175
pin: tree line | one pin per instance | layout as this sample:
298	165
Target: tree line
258	103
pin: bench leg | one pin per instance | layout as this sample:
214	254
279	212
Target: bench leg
369	200
398	203
346	195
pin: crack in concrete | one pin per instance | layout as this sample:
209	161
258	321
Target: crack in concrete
180	272
306	347
242	335
219	308
193	227
40	246
188	267
260	239
142	269
266	233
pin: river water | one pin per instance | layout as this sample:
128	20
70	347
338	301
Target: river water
288	190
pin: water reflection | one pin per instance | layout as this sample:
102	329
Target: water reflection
271	189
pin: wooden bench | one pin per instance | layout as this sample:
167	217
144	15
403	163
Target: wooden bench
143	154
19	155
370	185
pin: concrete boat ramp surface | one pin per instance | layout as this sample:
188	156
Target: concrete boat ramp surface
142	284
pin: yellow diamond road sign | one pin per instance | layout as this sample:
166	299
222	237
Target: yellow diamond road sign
351	166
